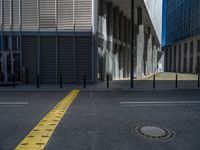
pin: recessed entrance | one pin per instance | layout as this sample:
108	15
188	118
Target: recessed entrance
9	66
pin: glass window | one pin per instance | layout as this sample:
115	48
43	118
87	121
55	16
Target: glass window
7	43
16	43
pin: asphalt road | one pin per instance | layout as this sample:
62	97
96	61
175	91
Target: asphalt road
104	120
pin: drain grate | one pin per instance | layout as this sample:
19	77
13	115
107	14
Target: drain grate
155	133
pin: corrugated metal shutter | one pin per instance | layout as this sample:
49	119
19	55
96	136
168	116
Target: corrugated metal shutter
47	14
7	14
29	15
83	15
16	15
83	58
65	15
30	57
48	59
66	58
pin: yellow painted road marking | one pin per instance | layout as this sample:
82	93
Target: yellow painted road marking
41	133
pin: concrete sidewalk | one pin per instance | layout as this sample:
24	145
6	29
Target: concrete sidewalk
164	81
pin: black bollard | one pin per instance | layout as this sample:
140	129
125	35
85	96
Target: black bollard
176	83
154	81
84	81
61	82
38	81
107	78
198	84
13	80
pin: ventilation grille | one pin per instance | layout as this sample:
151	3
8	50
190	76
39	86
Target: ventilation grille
83	15
29	15
65	15
70	14
47	14
16	15
7	14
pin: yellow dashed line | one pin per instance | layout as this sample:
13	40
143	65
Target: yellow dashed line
41	133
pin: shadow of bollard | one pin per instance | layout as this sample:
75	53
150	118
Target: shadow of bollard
61	81
176	81
107	78
38	81
84	81
14	84
154	81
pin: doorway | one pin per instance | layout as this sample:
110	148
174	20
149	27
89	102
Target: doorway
9	66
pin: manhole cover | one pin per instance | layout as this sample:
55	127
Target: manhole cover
152	132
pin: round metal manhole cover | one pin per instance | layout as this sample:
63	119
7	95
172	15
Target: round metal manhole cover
152	132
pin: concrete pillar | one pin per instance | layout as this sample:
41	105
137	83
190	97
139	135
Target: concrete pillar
121	64
177	59
182	57
172	59
111	19
154	61
149	55
195	56
188	56
168	59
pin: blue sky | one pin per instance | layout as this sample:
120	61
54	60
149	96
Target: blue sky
164	23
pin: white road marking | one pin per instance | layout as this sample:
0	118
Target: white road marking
166	102
13	103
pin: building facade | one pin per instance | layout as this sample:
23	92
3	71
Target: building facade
154	8
182	48
74	38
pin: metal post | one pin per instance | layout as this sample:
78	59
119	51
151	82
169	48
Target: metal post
176	83
38	81
84	81
13	80
61	82
198	84
107	78
154	81
132	43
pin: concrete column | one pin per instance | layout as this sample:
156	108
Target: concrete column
182	57
188	56
154	60
177	58
168	59
111	19
172	59
117	26
195	56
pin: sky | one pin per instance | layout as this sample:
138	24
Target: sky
164	23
